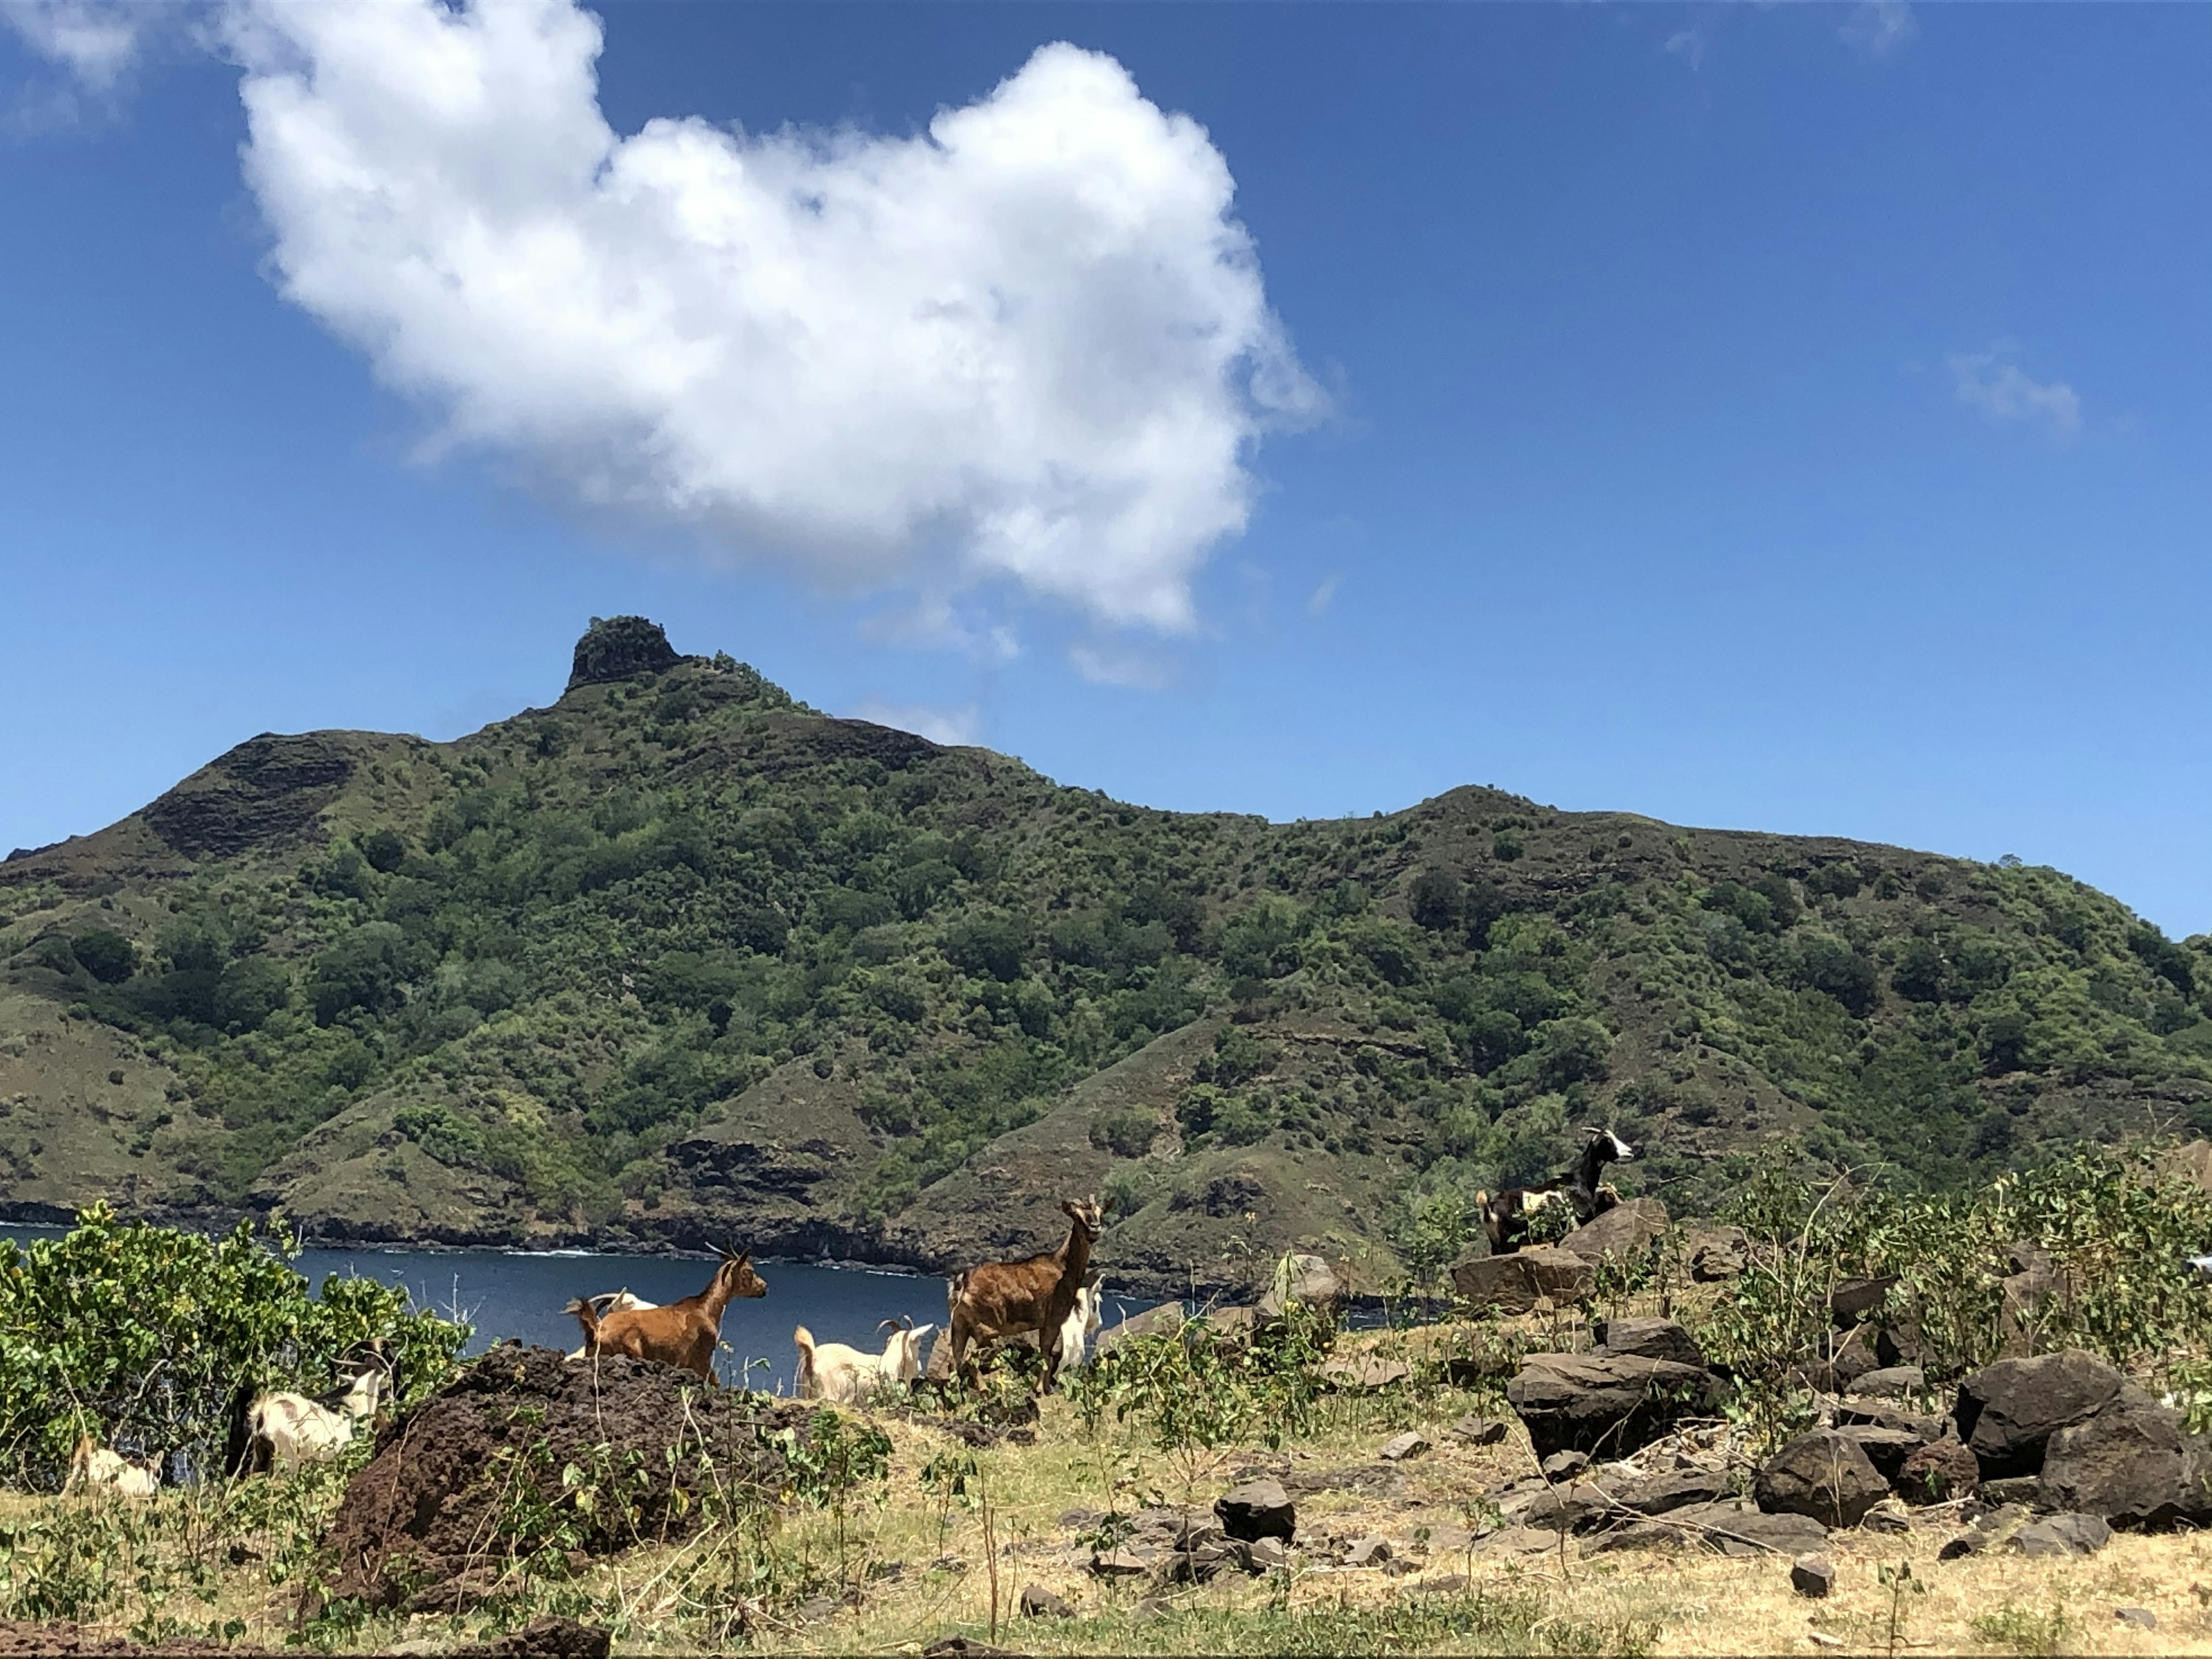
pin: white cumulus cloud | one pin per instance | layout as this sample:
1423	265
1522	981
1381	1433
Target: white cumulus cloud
95	40
1995	383
1032	343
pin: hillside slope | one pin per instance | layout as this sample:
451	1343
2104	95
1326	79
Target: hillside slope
680	958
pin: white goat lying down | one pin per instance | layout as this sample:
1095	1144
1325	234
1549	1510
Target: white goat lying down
1081	1326
96	1469
614	1302
830	1371
284	1430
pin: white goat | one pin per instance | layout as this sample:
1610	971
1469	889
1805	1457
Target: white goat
832	1371
614	1302
287	1430
96	1469
1081	1325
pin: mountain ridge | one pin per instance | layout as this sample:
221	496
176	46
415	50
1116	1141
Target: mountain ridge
678	958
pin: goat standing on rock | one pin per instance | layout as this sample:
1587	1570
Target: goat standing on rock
1506	1218
684	1333
1005	1298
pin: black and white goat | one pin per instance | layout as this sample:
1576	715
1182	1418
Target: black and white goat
1508	1215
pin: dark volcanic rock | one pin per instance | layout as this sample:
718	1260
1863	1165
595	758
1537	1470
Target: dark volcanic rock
1256	1509
1886	1448
548	1636
1822	1473
1734	1528
1513	1283
2133	1464
1718	1254
1664	1494
1938	1472
1855	1298
1621	1232
1892	1381
2007	1412
1812	1574
618	647
1571	1508
1651	1338
2062	1534
421	1520
266	789
1603	1403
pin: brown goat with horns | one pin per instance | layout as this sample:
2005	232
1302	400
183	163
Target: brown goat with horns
683	1334
1005	1298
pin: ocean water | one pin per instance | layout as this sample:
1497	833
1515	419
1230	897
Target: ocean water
504	1293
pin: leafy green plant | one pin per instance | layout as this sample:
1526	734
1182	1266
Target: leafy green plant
835	1458
144	1337
2016	1629
2116	1231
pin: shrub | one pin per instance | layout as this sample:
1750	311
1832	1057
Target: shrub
106	954
991	944
1126	1132
440	1132
1827	964
2113	1224
1437	899
143	1336
383	849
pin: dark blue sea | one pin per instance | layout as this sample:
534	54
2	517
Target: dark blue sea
512	1293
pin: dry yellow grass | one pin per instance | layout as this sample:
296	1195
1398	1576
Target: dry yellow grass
684	1599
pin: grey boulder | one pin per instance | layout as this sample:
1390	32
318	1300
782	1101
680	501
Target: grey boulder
1604	1403
2133	1464
1821	1474
2007	1412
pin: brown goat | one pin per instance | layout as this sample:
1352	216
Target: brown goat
1005	1298
683	1334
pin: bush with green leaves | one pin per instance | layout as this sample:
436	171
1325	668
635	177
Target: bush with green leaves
145	1337
2117	1227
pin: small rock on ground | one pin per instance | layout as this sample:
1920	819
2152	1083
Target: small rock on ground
1256	1509
1478	1430
1038	1603
2140	1618
1812	1574
1370	1552
2063	1534
1565	1465
1401	1448
1892	1381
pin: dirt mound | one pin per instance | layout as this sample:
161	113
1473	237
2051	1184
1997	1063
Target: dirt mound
525	1453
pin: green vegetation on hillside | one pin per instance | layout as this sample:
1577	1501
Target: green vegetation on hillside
555	948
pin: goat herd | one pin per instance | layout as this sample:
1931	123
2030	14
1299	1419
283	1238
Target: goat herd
1053	1297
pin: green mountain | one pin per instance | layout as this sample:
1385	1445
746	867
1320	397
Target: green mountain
680	958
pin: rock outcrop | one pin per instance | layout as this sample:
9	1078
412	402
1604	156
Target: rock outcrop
2007	1413
1607	1403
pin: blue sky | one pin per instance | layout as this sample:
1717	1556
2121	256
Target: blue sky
1784	417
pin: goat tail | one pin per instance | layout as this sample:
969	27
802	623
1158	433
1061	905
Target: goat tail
805	1340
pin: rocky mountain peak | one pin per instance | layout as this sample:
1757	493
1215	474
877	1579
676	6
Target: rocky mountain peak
619	649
